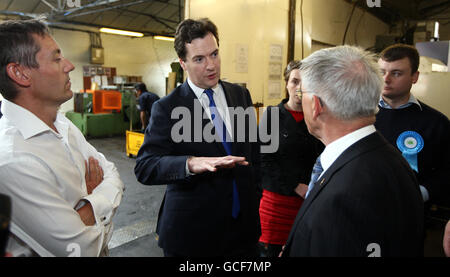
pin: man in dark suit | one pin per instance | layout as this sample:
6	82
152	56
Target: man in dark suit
211	202
366	200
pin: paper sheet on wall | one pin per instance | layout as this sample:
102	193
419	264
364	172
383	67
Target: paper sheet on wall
276	53
274	89
241	58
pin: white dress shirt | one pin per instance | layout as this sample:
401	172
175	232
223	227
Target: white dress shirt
333	150
219	99
221	104
43	172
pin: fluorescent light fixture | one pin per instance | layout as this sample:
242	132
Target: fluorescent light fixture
164	38
436	29
121	32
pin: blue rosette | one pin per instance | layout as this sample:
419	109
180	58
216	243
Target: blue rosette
410	143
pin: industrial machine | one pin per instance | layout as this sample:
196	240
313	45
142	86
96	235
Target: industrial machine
103	113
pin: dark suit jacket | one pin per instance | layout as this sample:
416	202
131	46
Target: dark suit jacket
195	217
368	195
292	163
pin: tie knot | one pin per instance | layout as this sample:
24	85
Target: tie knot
317	168
209	92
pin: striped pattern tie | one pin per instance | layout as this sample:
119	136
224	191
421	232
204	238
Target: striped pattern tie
317	170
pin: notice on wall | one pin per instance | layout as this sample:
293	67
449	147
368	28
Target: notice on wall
275	71
276	53
275	61
274	89
241	58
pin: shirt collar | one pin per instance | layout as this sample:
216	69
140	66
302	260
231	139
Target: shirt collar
337	147
199	91
412	100
29	124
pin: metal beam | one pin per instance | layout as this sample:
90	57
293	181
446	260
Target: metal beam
157	19
92	5
146	33
9	4
48	4
430	9
106	9
291	30
28	15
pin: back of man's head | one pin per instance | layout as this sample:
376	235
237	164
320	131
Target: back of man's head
399	51
347	80
17	45
190	29
140	86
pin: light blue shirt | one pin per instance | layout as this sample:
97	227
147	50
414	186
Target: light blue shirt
411	100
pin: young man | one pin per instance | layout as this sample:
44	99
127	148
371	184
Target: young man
64	193
365	200
401	112
211	202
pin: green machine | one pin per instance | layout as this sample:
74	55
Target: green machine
105	124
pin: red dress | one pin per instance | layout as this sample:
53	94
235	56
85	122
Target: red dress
277	212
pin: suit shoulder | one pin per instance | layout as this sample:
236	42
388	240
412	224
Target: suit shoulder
233	87
173	98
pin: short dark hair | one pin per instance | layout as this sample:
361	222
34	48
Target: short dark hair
18	45
190	29
140	86
295	64
399	51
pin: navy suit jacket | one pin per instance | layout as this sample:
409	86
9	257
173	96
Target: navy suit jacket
195	216
368	195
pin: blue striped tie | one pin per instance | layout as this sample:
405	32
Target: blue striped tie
317	170
221	130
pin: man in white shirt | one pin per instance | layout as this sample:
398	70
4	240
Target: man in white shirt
366	200
64	193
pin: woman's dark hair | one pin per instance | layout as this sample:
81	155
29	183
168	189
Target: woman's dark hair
295	64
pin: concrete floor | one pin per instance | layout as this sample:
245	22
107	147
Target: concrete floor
135	220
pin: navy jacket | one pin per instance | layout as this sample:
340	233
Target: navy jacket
195	216
367	202
283	170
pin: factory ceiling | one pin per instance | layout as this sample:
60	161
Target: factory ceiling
160	17
393	11
151	17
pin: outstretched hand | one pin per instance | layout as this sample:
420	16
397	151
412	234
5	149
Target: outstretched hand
202	164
